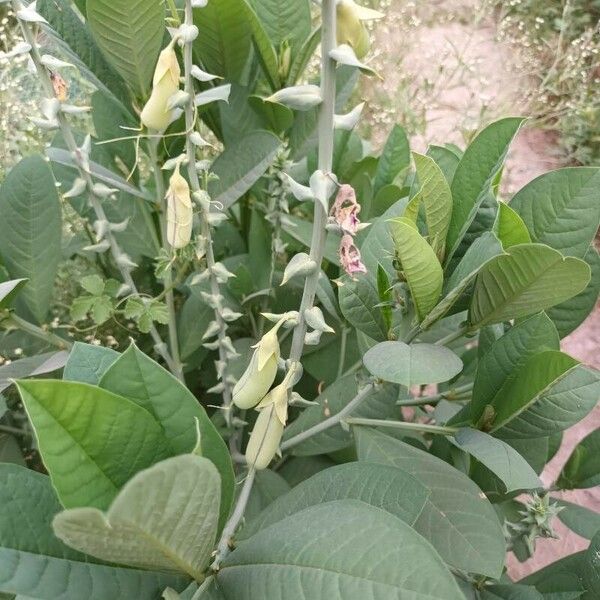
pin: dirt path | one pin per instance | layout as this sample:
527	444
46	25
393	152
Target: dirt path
446	75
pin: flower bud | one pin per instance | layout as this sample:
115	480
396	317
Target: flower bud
350	27
180	213
156	114
265	438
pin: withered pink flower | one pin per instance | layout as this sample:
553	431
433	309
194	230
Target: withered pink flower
345	209
350	256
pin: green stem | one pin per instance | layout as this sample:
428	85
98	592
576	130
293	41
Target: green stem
94	200
453	394
404	425
331	421
343	344
14	430
168	274
37	332
173	9
452	336
190	121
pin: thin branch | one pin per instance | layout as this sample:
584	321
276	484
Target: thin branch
37	332
404	425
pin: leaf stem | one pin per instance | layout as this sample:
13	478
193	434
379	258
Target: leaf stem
343	344
332	421
405	425
453	394
452	336
95	201
14	430
223	548
37	332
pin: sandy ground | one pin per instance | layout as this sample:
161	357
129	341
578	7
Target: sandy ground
445	74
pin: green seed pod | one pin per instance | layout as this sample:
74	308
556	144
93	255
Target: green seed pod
265	438
157	114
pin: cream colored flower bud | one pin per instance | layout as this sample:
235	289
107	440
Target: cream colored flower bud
350	27
156	114
260	374
265	438
180	213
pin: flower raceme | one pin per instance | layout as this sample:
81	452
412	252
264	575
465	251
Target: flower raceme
157	113
351	29
180	213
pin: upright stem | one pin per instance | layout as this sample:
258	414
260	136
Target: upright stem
94	200
325	163
190	119
168	274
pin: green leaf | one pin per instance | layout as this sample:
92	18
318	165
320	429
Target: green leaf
446	159
551	392
224	47
259	250
509	227
583	521
380	404
572	313
561	580
30	233
91	441
511	591
394	158
87	363
241	165
388	488
194	319
326	551
483	249
507	356
582	470
413	364
9	290
421	267
530	278
591	568
301	230
459	522
30	366
358	300
437	199
475	174
500	458
94	284
562	209
33	562
74	38
130	35
164	519
268	486
139	379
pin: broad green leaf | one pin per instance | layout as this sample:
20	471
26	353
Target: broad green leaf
413	364
562	208
31	366
91	441
259	251
561	580
446	159
395	157
34	563
457	519
380	404
551	392
591	568
388	488
225	45
436	197
582	470
377	247
299	468
483	249
475	174
164	519
87	363
420	265
138	378
509	227
285	21
507	356
30	233
511	591
530	278
572	313
241	165
130	35
500	458
327	551
194	318
74	38
358	300
268	486
583	521
9	291
301	58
